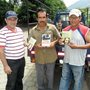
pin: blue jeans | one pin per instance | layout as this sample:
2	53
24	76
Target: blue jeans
45	75
68	73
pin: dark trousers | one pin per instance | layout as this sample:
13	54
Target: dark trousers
14	80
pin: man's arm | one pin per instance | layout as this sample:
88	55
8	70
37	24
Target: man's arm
7	69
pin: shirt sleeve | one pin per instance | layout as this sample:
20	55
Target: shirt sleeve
84	30
2	39
56	32
30	34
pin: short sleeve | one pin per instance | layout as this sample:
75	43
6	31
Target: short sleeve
30	33
84	30
56	32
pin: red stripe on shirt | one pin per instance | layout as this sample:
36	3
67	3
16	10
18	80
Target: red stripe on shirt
2	46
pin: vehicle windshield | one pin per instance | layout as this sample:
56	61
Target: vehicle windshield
64	17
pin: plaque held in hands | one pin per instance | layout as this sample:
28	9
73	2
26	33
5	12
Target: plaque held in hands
46	40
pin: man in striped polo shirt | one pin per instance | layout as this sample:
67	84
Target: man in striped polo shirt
12	52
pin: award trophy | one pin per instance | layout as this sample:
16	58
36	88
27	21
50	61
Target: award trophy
66	36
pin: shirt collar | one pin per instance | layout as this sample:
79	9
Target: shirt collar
36	28
9	28
73	29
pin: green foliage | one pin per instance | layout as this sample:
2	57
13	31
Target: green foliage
22	11
16	7
4	6
55	5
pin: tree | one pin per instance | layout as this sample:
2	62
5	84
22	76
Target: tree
4	6
23	11
51	5
55	5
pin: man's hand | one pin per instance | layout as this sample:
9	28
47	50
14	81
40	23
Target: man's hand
61	41
7	69
52	44
38	45
26	44
73	46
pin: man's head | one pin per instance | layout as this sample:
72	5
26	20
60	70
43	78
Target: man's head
11	19
41	16
75	17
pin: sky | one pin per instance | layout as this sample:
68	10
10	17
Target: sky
69	2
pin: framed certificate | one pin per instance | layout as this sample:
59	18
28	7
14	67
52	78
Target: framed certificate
46	40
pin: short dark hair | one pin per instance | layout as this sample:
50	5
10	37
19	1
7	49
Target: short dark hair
41	10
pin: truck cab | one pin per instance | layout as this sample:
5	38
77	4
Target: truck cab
63	16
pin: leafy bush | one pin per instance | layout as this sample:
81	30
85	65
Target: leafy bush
4	7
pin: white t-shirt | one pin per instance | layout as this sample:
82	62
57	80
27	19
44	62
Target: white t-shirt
76	56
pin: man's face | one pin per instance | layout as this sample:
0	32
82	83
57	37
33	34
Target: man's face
42	18
12	22
74	20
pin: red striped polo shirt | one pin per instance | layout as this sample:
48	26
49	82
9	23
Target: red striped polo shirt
13	43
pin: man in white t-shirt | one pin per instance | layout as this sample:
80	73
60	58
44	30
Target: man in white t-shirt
75	52
12	52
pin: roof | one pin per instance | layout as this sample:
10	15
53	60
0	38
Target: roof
80	4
